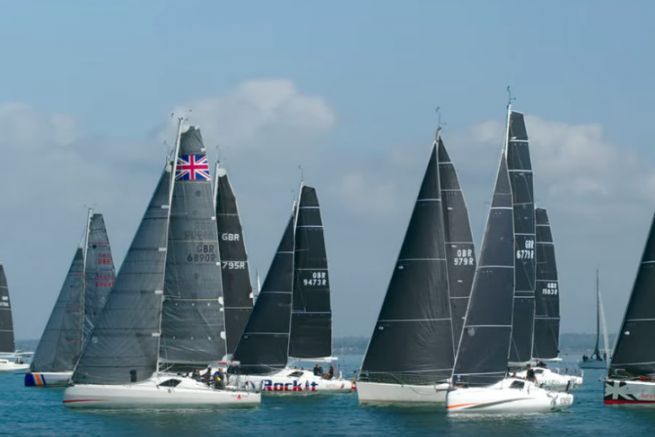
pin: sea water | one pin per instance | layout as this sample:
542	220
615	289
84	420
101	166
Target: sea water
37	411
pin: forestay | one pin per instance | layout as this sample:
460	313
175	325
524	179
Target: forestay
484	344
61	341
264	346
237	291
311	314
634	354
412	341
192	316
546	319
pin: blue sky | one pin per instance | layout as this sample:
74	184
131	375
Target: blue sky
347	89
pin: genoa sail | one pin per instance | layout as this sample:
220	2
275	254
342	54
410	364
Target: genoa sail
237	290
484	345
634	355
546	319
124	343
192	323
7	343
62	340
311	314
99	270
412	341
520	175
264	345
460	251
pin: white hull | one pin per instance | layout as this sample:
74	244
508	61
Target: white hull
509	396
48	379
629	392
151	393
381	393
9	366
551	380
293	382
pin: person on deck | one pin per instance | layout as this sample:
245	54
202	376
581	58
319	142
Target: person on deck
330	373
530	376
318	370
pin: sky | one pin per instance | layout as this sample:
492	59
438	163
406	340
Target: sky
347	90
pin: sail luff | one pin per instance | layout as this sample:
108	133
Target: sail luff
597	344
7	342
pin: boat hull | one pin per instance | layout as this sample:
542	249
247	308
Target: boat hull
626	392
47	379
293	382
554	381
189	393
381	393
9	366
509	396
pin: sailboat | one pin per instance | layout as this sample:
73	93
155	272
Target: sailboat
547	320
163	318
82	296
599	359
292	318
11	360
237	290
479	379
631	376
410	356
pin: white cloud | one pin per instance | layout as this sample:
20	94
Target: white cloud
367	195
24	127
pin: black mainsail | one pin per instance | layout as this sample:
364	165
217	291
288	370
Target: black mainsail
62	340
484	345
99	270
7	344
192	323
634	355
237	290
311	314
412	341
460	251
520	176
124	344
264	345
546	318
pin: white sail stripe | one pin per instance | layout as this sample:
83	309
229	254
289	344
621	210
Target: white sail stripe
421	259
545	318
648	262
265	333
309	226
495	267
310	207
317	269
451	189
524	233
286	252
523	297
427	199
238	308
501	207
459	242
414	320
546	243
487	326
515	140
311	312
650	319
459	297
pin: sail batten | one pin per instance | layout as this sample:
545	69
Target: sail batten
484	343
412	342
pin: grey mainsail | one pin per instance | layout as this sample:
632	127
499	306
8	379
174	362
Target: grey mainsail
412	341
634	355
311	313
520	176
546	318
192	315
99	270
124	344
460	251
264	346
62	340
237	290
484	345
7	344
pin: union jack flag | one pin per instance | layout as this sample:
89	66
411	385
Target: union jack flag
192	168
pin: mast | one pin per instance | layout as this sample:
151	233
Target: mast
597	346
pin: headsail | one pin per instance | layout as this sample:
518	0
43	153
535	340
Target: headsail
7	344
546	319
237	291
460	251
98	270
192	316
311	315
520	176
412	341
634	355
483	348
124	343
264	346
62	340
